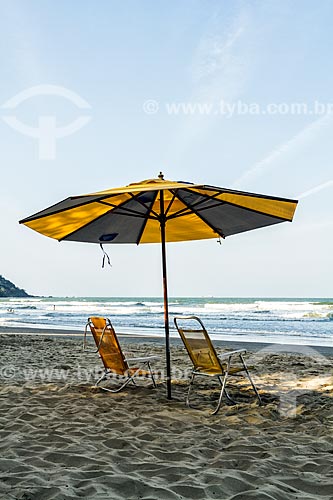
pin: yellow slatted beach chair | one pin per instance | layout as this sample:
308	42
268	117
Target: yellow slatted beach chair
206	361
115	363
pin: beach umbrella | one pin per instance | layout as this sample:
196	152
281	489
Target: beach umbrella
159	211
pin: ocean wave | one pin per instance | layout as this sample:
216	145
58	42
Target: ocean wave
264	311
26	307
314	315
304	319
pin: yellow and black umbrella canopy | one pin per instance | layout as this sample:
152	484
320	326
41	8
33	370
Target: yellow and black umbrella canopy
159	211
133	214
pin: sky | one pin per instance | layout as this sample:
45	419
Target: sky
236	94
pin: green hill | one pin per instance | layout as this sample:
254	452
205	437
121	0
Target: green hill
8	289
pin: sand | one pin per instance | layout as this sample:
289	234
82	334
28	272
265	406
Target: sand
63	439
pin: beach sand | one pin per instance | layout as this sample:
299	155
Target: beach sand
63	439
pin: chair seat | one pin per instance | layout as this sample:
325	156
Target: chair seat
138	372
129	372
213	372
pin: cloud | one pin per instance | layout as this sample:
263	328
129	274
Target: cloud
219	64
297	141
22	41
316	189
219	70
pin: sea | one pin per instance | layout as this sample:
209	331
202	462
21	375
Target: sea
300	321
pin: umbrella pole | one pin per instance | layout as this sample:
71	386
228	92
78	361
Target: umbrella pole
165	292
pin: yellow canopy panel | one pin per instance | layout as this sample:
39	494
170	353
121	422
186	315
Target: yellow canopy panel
134	213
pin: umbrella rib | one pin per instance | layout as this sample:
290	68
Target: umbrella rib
84	226
243	193
99	217
279	217
145	222
128	211
55	212
219	231
144	205
187	211
98	199
224	202
183	211
171	201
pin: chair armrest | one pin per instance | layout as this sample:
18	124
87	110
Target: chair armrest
143	359
231	353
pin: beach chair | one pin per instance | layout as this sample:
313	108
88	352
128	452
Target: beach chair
115	364
206	361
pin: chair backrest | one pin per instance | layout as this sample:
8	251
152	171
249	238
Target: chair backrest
108	345
198	344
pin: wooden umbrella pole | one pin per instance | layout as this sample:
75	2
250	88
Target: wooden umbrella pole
165	292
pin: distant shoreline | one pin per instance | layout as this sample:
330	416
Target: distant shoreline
171	297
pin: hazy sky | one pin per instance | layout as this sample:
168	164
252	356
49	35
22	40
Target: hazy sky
131	65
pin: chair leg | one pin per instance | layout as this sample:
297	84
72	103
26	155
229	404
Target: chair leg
229	398
101	378
105	374
189	390
223	390
151	374
127	381
250	379
223	384
130	379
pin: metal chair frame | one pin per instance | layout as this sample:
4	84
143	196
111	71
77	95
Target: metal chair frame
108	371
223	372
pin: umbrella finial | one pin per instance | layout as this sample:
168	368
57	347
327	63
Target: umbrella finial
161	176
